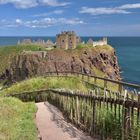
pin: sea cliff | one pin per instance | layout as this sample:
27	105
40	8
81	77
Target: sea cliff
99	61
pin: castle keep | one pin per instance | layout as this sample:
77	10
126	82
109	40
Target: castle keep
66	40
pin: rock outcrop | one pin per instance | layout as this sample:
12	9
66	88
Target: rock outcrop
98	61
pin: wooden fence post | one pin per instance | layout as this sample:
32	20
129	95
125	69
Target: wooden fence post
138	118
105	84
94	115
77	109
126	117
132	116
120	88
82	77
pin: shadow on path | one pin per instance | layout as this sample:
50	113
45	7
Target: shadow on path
66	127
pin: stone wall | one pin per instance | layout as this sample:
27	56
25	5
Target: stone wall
66	40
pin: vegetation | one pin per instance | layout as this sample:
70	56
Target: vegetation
45	83
7	52
16	120
104	47
80	46
98	72
80	110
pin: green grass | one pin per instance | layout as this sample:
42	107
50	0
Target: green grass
104	47
45	83
16	120
6	53
98	73
80	46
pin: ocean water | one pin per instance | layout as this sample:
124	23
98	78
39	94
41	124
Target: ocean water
127	51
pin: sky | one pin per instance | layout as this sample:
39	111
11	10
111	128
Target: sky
85	17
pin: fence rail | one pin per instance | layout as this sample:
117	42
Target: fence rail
94	77
102	117
105	112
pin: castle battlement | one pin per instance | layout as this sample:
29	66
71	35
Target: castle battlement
66	40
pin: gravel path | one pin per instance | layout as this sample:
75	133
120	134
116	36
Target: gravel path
52	125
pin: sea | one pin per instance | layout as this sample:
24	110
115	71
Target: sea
127	51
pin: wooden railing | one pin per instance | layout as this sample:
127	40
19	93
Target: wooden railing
102	116
101	82
110	111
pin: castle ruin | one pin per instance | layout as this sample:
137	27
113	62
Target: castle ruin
66	40
100	42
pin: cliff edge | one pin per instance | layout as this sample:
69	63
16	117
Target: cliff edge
99	61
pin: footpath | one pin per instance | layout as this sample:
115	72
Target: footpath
52	125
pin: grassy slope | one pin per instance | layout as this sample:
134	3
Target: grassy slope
45	83
16	120
7	52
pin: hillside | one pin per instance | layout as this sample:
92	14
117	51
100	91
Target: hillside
7	53
41	83
100	61
26	66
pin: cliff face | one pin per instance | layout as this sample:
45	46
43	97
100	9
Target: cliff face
100	61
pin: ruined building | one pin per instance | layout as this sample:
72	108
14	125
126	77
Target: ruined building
90	41
43	43
100	42
66	40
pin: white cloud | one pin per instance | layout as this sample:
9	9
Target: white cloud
123	9
101	11
130	6
56	12
54	3
41	23
23	4
47	22
18	21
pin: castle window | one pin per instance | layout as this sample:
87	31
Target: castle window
63	41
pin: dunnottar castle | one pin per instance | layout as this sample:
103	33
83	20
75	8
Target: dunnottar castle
65	40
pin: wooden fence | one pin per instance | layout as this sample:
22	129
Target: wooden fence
110	111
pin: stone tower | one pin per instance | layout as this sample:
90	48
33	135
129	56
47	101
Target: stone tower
66	40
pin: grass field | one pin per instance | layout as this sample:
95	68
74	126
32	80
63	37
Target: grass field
17	120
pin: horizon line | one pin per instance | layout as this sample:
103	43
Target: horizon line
55	36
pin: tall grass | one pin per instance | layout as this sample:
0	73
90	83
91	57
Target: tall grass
40	83
16	120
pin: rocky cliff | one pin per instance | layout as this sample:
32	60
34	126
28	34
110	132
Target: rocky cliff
100	61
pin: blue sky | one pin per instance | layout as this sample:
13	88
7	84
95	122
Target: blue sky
85	17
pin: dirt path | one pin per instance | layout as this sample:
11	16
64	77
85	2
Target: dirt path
52	125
